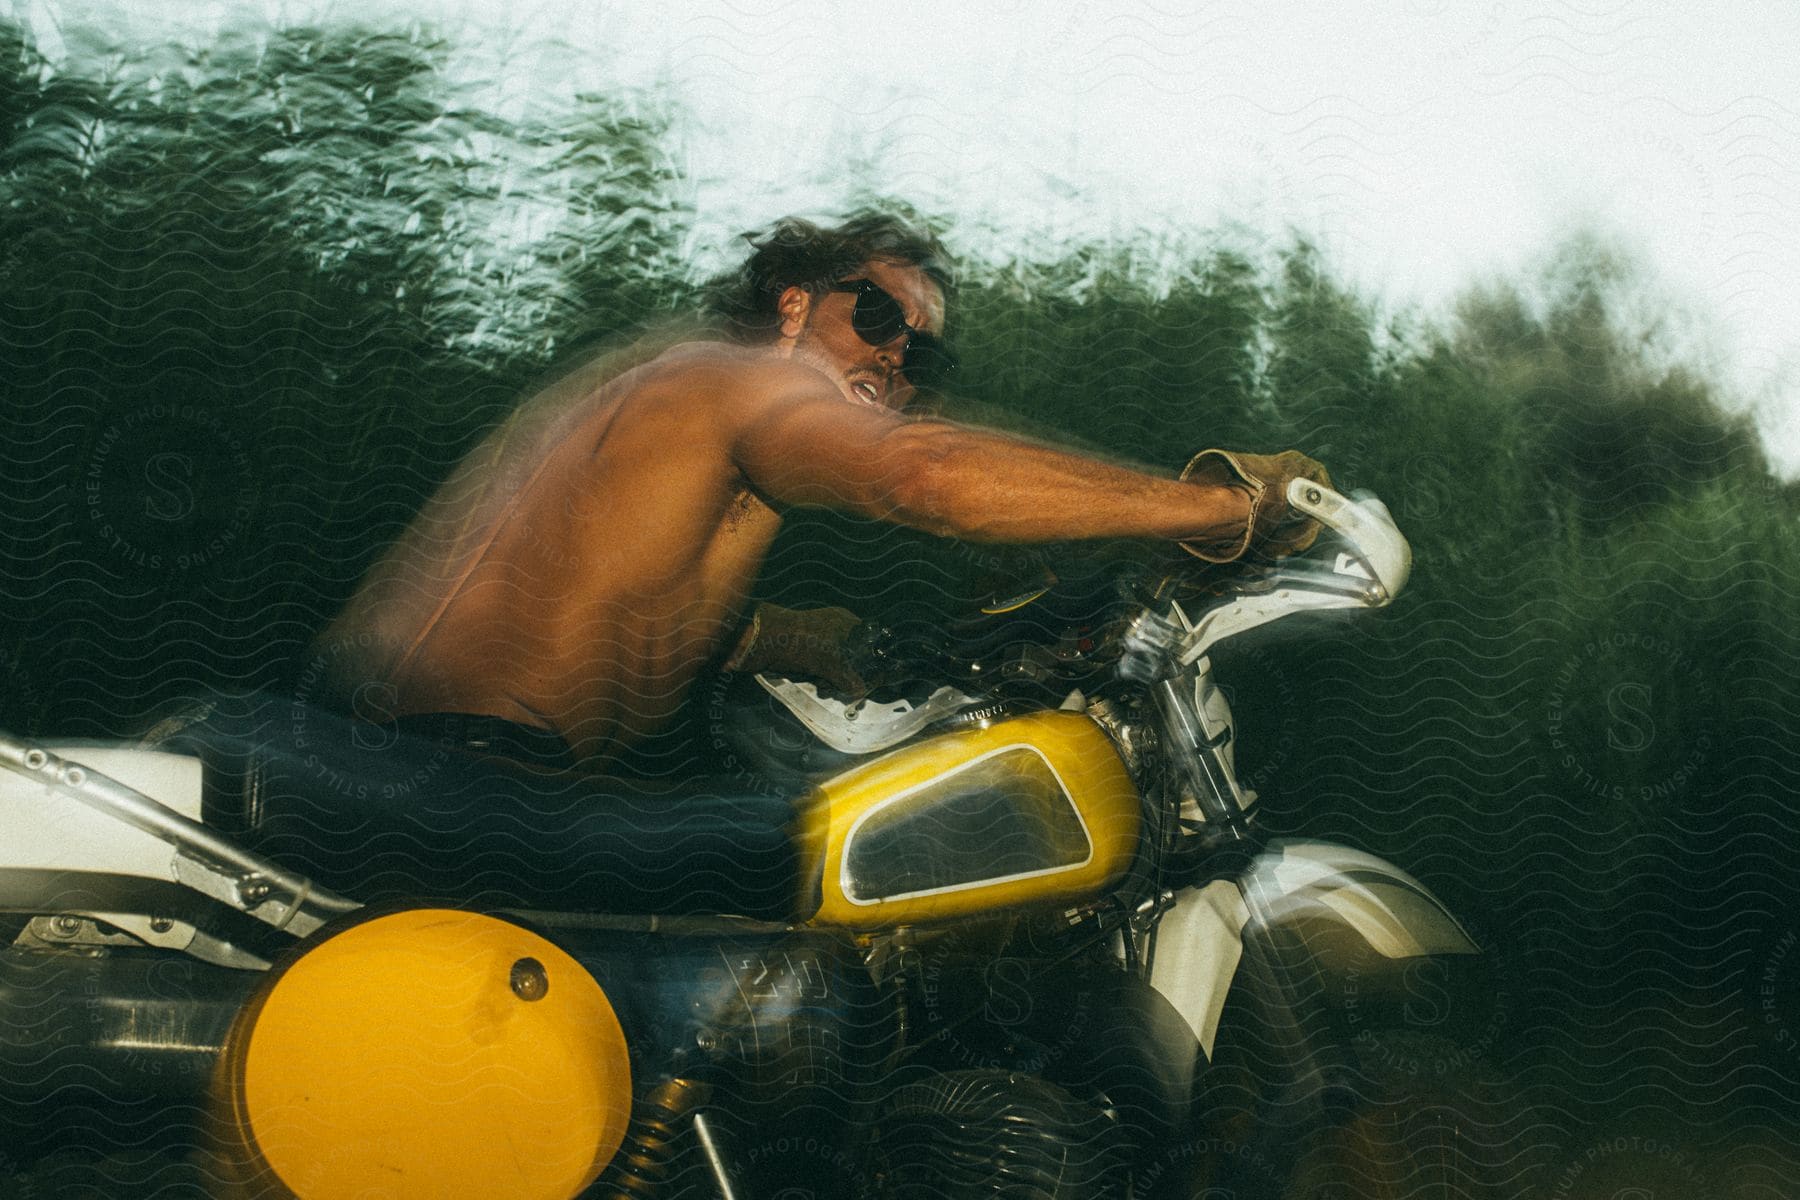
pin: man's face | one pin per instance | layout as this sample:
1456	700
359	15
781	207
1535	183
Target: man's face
817	330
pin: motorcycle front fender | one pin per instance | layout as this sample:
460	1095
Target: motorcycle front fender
1394	913
1200	941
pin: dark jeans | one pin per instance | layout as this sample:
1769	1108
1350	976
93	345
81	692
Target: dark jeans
462	808
489	737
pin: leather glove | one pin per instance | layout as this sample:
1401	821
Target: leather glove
808	643
1272	530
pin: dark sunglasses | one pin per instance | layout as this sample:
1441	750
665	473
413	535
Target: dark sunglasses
878	319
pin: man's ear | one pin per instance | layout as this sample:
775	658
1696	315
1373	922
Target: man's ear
794	305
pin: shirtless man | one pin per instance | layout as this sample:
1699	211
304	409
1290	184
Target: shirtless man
596	552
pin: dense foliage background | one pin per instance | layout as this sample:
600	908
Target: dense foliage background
256	298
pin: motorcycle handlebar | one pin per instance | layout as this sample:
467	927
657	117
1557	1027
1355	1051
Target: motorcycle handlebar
1372	564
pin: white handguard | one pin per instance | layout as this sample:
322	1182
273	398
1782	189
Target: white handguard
1369	569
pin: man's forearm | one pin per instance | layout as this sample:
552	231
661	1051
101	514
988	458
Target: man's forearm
979	486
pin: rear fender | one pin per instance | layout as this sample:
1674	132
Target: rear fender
1200	941
58	850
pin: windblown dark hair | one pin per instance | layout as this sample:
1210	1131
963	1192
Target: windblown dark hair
795	252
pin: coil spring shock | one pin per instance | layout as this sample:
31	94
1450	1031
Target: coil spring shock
641	1167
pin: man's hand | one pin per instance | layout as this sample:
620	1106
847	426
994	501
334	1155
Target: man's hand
1271	529
804	642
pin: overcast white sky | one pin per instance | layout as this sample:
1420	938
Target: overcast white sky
1424	143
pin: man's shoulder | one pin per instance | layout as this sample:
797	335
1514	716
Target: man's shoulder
698	351
727	372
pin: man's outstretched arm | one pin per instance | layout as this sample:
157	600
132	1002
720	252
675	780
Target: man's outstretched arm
812	447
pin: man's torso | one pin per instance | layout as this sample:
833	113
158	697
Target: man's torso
579	567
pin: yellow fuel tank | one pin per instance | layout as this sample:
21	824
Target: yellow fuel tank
1029	810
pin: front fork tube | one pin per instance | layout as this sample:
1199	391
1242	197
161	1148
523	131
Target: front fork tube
1201	762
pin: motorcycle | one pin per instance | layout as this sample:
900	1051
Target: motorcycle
981	939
